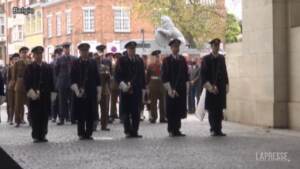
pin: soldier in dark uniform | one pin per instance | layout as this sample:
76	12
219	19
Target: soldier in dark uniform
39	85
55	104
86	86
156	89
215	80
63	83
175	78
104	69
130	74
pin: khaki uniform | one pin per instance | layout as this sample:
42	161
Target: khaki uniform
104	71
156	93
19	89
114	96
10	94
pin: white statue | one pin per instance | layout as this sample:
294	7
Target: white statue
166	32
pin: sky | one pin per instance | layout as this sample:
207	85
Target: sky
235	7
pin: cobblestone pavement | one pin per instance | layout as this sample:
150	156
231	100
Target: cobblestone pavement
110	150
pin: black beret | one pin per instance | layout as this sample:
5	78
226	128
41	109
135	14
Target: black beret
84	46
15	55
156	52
130	44
37	49
66	45
174	41
23	48
215	41
101	48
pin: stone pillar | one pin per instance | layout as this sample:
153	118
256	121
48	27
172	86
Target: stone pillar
262	86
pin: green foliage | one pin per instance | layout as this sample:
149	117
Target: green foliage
198	23
233	29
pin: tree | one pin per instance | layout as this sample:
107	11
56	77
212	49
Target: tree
233	29
198	22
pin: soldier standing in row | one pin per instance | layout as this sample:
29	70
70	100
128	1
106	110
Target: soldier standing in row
215	80
38	80
18	79
156	89
63	83
175	78
86	86
55	104
115	91
130	74
104	69
10	88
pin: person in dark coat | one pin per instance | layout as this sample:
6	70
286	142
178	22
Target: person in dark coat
175	78
86	85
130	75
215	80
63	82
39	86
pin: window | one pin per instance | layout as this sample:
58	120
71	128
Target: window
88	19
49	26
2	26
58	24
33	27
68	22
121	19
39	22
17	33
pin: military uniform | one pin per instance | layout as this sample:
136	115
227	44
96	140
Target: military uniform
214	75
10	94
19	89
85	84
39	85
156	92
175	77
104	68
62	84
130	75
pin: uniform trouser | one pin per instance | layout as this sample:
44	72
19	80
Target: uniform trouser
54	109
113	104
20	101
10	104
64	103
215	118
173	115
157	93
39	118
131	113
191	98
85	118
104	105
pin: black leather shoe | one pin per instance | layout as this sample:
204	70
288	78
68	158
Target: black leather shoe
179	134
213	134
221	134
44	140
89	138
60	123
163	121
136	136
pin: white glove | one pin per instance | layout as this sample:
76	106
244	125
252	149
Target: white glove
169	89
124	87
209	87
53	96
32	94
75	88
81	93
99	93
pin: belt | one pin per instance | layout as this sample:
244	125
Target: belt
155	77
